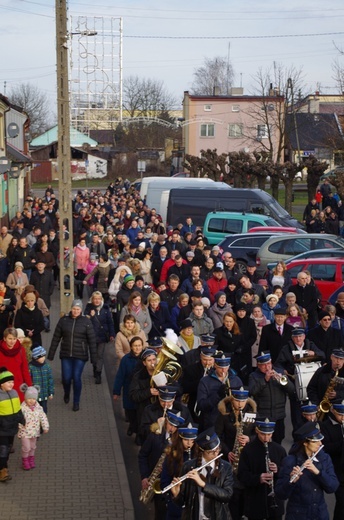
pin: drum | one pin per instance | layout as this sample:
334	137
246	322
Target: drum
303	375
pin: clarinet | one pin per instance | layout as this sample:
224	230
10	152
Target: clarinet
267	467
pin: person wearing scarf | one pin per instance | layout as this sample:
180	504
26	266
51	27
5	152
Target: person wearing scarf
13	356
136	308
260	321
187	340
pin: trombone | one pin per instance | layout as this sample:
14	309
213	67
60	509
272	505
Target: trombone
184	477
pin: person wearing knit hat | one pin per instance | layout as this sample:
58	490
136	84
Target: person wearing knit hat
11	415
13	356
219	309
35	420
270	306
41	374
76	334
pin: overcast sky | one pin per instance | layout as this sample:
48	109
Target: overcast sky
252	37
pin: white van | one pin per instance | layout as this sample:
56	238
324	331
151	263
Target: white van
144	185
156	187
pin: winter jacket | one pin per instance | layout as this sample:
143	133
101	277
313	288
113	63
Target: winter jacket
10	413
268	312
124	336
252	464
44	284
161	320
41	375
270	396
102	322
27	319
217	313
101	274
202	325
15	361
35	419
306	496
142	317
219	490
123	379
215	286
81	257
25	255
77	339
7	313
170	297
209	394
116	282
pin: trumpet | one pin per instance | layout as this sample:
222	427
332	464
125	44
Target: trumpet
184	477
296	475
280	378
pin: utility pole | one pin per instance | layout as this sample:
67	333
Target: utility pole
64	158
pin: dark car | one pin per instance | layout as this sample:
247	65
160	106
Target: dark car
243	247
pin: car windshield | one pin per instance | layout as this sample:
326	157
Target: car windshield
277	208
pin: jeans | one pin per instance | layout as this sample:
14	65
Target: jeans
72	370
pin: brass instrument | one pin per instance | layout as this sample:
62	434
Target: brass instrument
167	362
325	404
280	378
184	477
147	494
294	477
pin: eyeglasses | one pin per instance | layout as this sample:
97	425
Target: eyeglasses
326	319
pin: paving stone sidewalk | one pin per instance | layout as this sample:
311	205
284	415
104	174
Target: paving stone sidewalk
80	471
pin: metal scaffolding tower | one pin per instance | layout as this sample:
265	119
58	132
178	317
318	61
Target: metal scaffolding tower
96	72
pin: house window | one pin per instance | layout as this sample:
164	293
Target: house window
235	130
207	108
208	130
262	131
235	108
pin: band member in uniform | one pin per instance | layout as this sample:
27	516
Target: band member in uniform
192	374
270	388
235	427
140	390
330	374
214	387
304	476
297	348
151	458
181	450
155	412
259	463
205	493
333	431
309	412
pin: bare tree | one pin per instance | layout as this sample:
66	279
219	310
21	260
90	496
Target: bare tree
35	103
315	170
215	72
338	74
146	97
210	164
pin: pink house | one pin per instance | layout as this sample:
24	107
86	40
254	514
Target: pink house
232	123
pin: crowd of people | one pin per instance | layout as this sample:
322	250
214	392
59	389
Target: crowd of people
325	212
207	357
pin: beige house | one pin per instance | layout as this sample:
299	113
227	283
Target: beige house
232	123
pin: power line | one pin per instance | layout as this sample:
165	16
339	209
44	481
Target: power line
260	37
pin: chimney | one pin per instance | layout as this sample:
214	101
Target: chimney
216	90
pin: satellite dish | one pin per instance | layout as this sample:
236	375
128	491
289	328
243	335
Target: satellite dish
13	130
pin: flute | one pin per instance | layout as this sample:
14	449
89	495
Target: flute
184	477
304	464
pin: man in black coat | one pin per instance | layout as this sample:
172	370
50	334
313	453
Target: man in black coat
192	374
179	268
157	264
258	479
325	336
172	293
275	335
306	297
43	282
295	349
155	412
321	379
332	429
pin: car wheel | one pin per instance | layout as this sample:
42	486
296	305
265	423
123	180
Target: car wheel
241	266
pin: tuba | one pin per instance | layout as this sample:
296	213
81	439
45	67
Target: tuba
167	362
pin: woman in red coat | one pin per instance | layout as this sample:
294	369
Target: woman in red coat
13	357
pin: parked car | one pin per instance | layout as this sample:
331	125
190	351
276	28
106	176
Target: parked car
333	298
243	247
285	246
317	253
276	229
219	224
327	273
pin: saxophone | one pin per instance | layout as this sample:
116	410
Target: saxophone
325	405
236	447
147	494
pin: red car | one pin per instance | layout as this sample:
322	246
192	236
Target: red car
275	229
326	273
